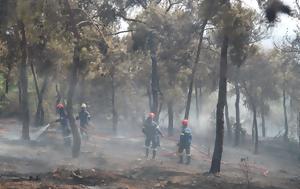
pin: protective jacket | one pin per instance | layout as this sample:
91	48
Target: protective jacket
84	117
63	119
151	128
185	137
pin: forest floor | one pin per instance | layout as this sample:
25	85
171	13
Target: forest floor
117	162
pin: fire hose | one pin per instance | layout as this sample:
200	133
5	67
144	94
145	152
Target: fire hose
263	170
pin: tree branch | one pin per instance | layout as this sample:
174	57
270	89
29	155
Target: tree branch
298	5
84	23
130	19
90	21
171	5
126	31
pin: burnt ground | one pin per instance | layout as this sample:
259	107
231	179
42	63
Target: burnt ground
109	161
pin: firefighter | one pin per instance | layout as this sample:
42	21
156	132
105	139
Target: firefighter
83	117
152	133
185	142
63	120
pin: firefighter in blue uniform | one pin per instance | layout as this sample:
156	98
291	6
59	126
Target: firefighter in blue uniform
83	117
185	142
63	120
152	133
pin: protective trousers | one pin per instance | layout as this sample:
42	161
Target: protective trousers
153	142
187	150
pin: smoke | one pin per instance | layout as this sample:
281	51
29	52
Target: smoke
274	7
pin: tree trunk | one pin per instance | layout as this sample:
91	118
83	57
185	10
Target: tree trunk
171	118
73	82
71	91
7	78
7	75
82	90
298	128
154	76
286	127
114	111
200	97
39	106
237	108
218	148
197	105
160	107
192	77
39	115
254	124
255	129
291	112
263	125
35	81
24	82
11	47
20	93
149	94
58	94
228	124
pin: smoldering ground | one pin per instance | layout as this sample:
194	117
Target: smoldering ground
125	150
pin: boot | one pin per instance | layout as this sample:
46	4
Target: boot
147	152
188	160
153	154
180	159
